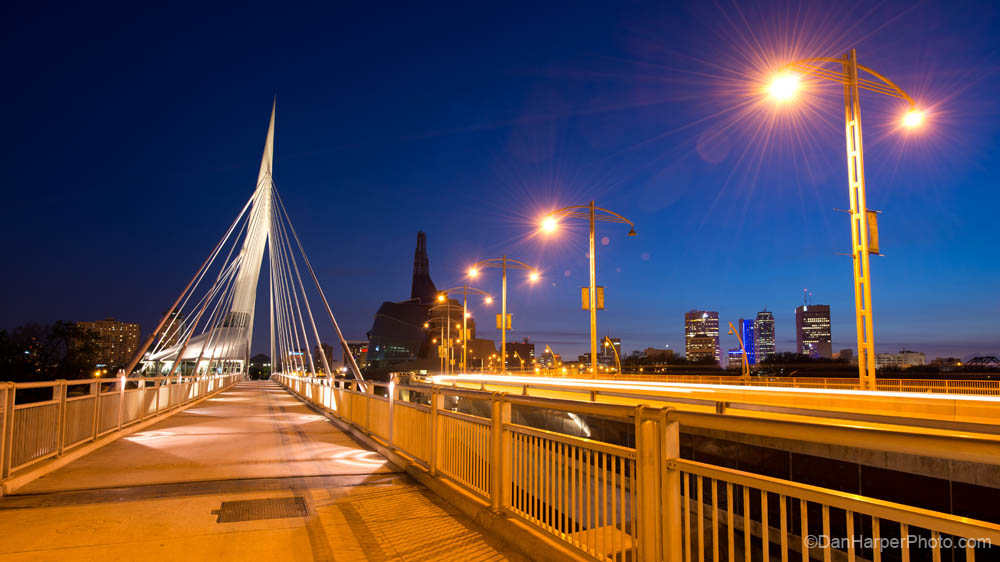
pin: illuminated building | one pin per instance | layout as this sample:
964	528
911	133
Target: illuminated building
359	349
812	330
902	360
736	358
763	336
116	341
700	326
748	335
518	352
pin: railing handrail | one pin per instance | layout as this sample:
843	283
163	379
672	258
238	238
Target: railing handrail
946	522
31	432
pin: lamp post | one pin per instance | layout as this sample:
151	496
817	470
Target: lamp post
864	233
746	366
592	214
503	264
465	316
618	357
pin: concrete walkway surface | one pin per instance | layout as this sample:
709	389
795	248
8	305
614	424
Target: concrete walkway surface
250	474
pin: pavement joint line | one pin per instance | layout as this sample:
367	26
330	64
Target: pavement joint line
148	492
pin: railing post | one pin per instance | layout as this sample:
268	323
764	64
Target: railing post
8	429
369	394
392	409
157	384
142	400
121	400
59	393
437	429
499	453
95	387
648	471
670	486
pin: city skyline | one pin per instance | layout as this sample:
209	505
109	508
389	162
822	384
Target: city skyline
477	155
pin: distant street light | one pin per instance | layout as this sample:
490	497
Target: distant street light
864	230
503	264
550	223
465	315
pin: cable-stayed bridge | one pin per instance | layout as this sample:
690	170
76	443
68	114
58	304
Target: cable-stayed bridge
181	458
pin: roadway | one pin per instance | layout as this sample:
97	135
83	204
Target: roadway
927	414
250	474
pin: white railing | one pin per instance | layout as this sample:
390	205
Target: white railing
80	411
608	501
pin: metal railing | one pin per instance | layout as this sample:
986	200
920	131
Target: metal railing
644	502
72	413
944	386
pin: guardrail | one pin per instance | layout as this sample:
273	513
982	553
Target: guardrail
81	411
945	386
608	501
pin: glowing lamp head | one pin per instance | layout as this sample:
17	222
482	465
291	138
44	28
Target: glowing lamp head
913	119
784	87
549	224
533	276
473	272
441	298
489	300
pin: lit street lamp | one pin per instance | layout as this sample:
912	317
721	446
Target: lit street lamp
618	357
593	214
503	264
864	233
465	316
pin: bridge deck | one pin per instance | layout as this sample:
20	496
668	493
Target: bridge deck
159	494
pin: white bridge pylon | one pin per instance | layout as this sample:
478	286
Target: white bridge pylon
209	328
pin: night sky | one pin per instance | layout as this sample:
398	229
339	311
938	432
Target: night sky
132	137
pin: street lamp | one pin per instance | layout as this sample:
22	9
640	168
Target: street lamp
783	88
593	214
618	357
465	315
743	350
503	264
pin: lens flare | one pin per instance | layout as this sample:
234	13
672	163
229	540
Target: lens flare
784	87
913	119
549	224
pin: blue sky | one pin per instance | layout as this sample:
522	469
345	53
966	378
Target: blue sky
133	136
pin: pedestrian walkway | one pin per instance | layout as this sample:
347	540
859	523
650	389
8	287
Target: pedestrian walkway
250	474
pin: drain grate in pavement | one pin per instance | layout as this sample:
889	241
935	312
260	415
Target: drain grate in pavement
254	510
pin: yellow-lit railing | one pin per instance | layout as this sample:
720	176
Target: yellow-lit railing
608	501
80	411
944	386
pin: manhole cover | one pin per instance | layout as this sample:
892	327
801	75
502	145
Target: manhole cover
254	510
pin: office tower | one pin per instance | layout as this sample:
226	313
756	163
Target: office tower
699	326
812	330
747	330
117	341
764	336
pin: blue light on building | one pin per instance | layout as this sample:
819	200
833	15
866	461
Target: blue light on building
747	333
